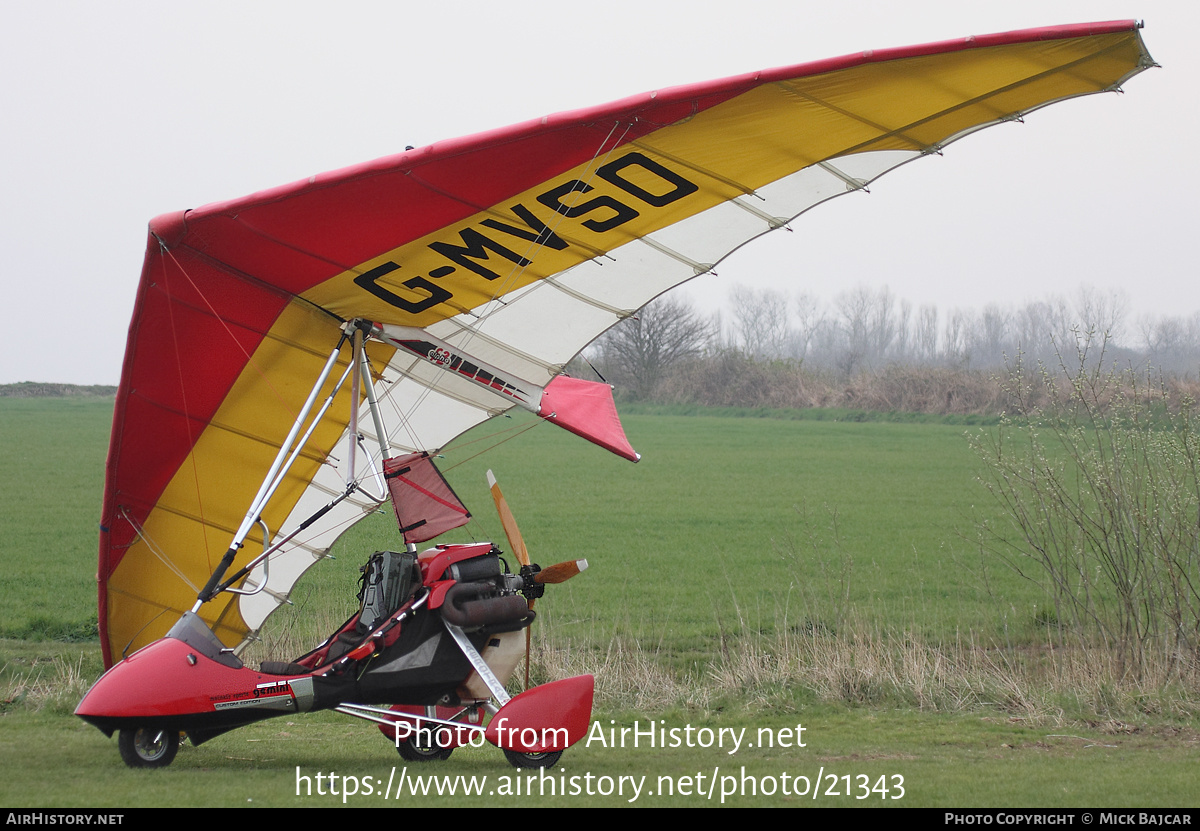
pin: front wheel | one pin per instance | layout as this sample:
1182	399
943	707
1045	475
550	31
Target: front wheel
532	760
412	751
148	747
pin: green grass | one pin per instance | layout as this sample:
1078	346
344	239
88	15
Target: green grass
726	521
52	453
728	526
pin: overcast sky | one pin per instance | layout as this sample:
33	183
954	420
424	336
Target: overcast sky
115	112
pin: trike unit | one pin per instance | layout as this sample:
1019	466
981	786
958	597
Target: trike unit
441	656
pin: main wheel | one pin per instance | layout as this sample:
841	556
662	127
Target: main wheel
533	760
412	751
147	747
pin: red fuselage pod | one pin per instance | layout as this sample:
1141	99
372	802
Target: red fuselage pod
182	682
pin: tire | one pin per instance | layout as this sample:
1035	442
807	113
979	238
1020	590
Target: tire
533	760
144	747
412	752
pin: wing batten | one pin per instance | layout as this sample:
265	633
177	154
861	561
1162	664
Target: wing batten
591	300
453	330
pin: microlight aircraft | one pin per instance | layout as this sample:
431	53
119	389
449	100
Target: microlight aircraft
296	356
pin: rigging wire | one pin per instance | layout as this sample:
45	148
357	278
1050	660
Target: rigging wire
516	431
187	414
250	362
156	551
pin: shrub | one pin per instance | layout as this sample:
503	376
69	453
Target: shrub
1098	472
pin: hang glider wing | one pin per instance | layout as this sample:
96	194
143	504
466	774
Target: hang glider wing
486	263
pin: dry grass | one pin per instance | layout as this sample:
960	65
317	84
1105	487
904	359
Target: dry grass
860	666
869	668
56	684
627	676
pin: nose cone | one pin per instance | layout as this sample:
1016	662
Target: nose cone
149	688
174	685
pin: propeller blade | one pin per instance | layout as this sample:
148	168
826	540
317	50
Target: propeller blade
515	541
561	572
558	573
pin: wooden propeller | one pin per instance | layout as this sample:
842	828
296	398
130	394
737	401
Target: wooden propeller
558	573
515	541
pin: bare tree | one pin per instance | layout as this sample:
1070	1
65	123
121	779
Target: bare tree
956	344
1040	324
761	328
989	336
902	346
871	328
638	351
808	308
1171	342
925	338
1102	315
854	322
884	323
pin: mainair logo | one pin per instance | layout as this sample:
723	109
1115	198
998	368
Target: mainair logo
656	186
441	356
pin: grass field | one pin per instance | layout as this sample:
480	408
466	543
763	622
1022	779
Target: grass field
732	525
748	573
52	453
